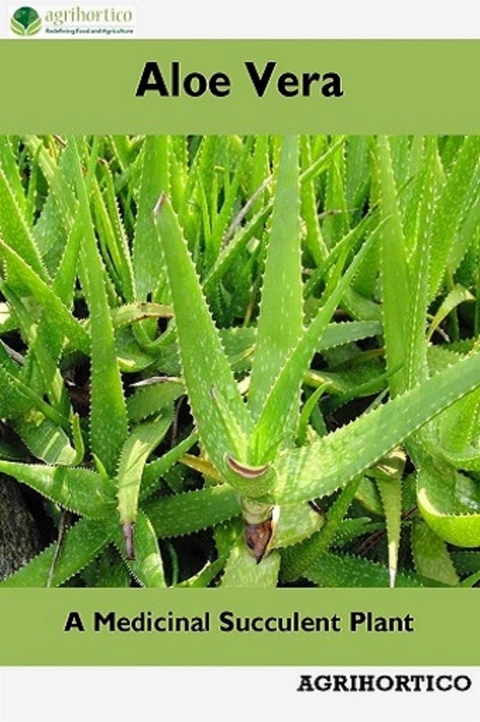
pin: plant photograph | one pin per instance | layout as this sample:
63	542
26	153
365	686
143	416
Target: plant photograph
240	361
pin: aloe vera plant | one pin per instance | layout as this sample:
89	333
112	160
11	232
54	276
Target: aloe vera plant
265	349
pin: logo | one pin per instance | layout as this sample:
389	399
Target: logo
83	20
25	21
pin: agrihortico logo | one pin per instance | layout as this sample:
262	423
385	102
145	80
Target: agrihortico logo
74	21
25	22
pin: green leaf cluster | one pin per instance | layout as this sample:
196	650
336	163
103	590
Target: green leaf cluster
264	348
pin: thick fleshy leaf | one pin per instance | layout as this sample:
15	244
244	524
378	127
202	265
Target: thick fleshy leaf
195	510
221	416
430	554
242	570
329	462
141	442
449	501
108	414
280	323
80	545
79	490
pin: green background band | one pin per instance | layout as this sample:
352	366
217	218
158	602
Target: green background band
32	621
390	86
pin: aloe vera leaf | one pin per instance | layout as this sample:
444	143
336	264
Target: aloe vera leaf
155	469
350	384
395	284
350	529
131	359
7	321
149	400
242	570
178	167
416	367
220	223
50	233
80	545
431	556
147	567
124	148
199	188
449	502
280	322
391	494
15	231
48	299
239	342
338	334
14	399
146	257
298	558
200	464
107	240
418	200
336	570
468	458
119	242
357	176
455	201
193	511
108	414
269	427
230	252
467	238
347	244
470	581
134	312
46	440
335	222
259	173
79	490
401	157
222	418
361	308
323	161
39	372
329	462
296	523
78	442
204	260
8	164
457	295
466	562
142	440
309	212
308	409
455	434
206	576
46	346
56	174
10	359
9	452
368	495
15	395
107	570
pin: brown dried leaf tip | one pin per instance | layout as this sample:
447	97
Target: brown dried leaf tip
248	472
127	530
257	537
158	206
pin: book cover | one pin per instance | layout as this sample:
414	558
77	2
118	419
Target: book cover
239	360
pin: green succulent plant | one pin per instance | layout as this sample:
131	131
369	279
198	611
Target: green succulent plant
315	302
